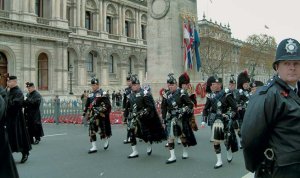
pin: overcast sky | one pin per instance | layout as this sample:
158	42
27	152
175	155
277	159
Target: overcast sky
247	17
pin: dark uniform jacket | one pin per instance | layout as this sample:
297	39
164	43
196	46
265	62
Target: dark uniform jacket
33	115
125	96
182	99
272	120
151	127
7	165
16	127
93	105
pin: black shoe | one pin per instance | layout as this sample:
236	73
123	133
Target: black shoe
92	151
135	156
24	158
170	162
217	167
185	157
229	161
241	147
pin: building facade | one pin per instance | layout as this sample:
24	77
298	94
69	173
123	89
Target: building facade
60	44
222	55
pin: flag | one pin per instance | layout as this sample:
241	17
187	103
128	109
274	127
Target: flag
187	46
266	27
191	45
196	47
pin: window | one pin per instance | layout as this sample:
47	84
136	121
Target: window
130	65
43	72
39	8
111	64
88	20
1	4
69	15
89	62
109	24
127	28
143	27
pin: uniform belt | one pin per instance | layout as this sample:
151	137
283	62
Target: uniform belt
284	159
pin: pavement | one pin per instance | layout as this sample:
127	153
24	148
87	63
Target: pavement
62	153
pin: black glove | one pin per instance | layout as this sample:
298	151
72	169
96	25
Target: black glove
83	114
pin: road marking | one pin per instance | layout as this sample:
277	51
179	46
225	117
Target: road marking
249	175
53	135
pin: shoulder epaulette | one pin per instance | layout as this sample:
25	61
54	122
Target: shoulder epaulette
262	90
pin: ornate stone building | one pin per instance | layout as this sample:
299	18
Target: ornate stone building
221	54
60	44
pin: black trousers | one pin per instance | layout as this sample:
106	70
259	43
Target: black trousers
290	171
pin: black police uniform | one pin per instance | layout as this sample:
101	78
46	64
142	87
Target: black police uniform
33	115
271	128
7	167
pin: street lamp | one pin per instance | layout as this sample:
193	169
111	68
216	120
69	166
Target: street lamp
71	73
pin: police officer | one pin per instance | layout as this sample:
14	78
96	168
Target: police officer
17	132
180	108
98	108
7	167
271	128
32	114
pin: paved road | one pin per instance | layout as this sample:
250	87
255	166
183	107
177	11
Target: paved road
63	154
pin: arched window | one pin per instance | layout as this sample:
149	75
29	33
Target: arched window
43	72
111	64
109	27
88	20
130	65
39	8
127	28
143	28
89	62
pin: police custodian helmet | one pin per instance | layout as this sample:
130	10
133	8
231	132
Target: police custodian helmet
288	49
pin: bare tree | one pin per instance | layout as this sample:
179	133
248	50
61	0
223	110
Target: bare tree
258	51
214	55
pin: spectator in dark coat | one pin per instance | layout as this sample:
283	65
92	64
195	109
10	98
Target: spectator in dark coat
32	114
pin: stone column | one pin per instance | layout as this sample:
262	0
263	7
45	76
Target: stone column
32	6
123	75
120	20
78	13
137	22
26	6
104	16
83	13
164	48
64	9
100	18
57	9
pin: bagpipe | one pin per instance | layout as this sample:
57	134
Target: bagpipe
134	119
